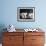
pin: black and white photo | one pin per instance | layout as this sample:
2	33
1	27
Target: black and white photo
26	14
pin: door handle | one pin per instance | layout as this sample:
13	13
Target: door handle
33	39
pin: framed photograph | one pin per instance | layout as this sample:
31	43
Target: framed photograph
26	14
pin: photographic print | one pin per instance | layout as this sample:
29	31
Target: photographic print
26	14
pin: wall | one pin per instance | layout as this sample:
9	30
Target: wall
8	13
